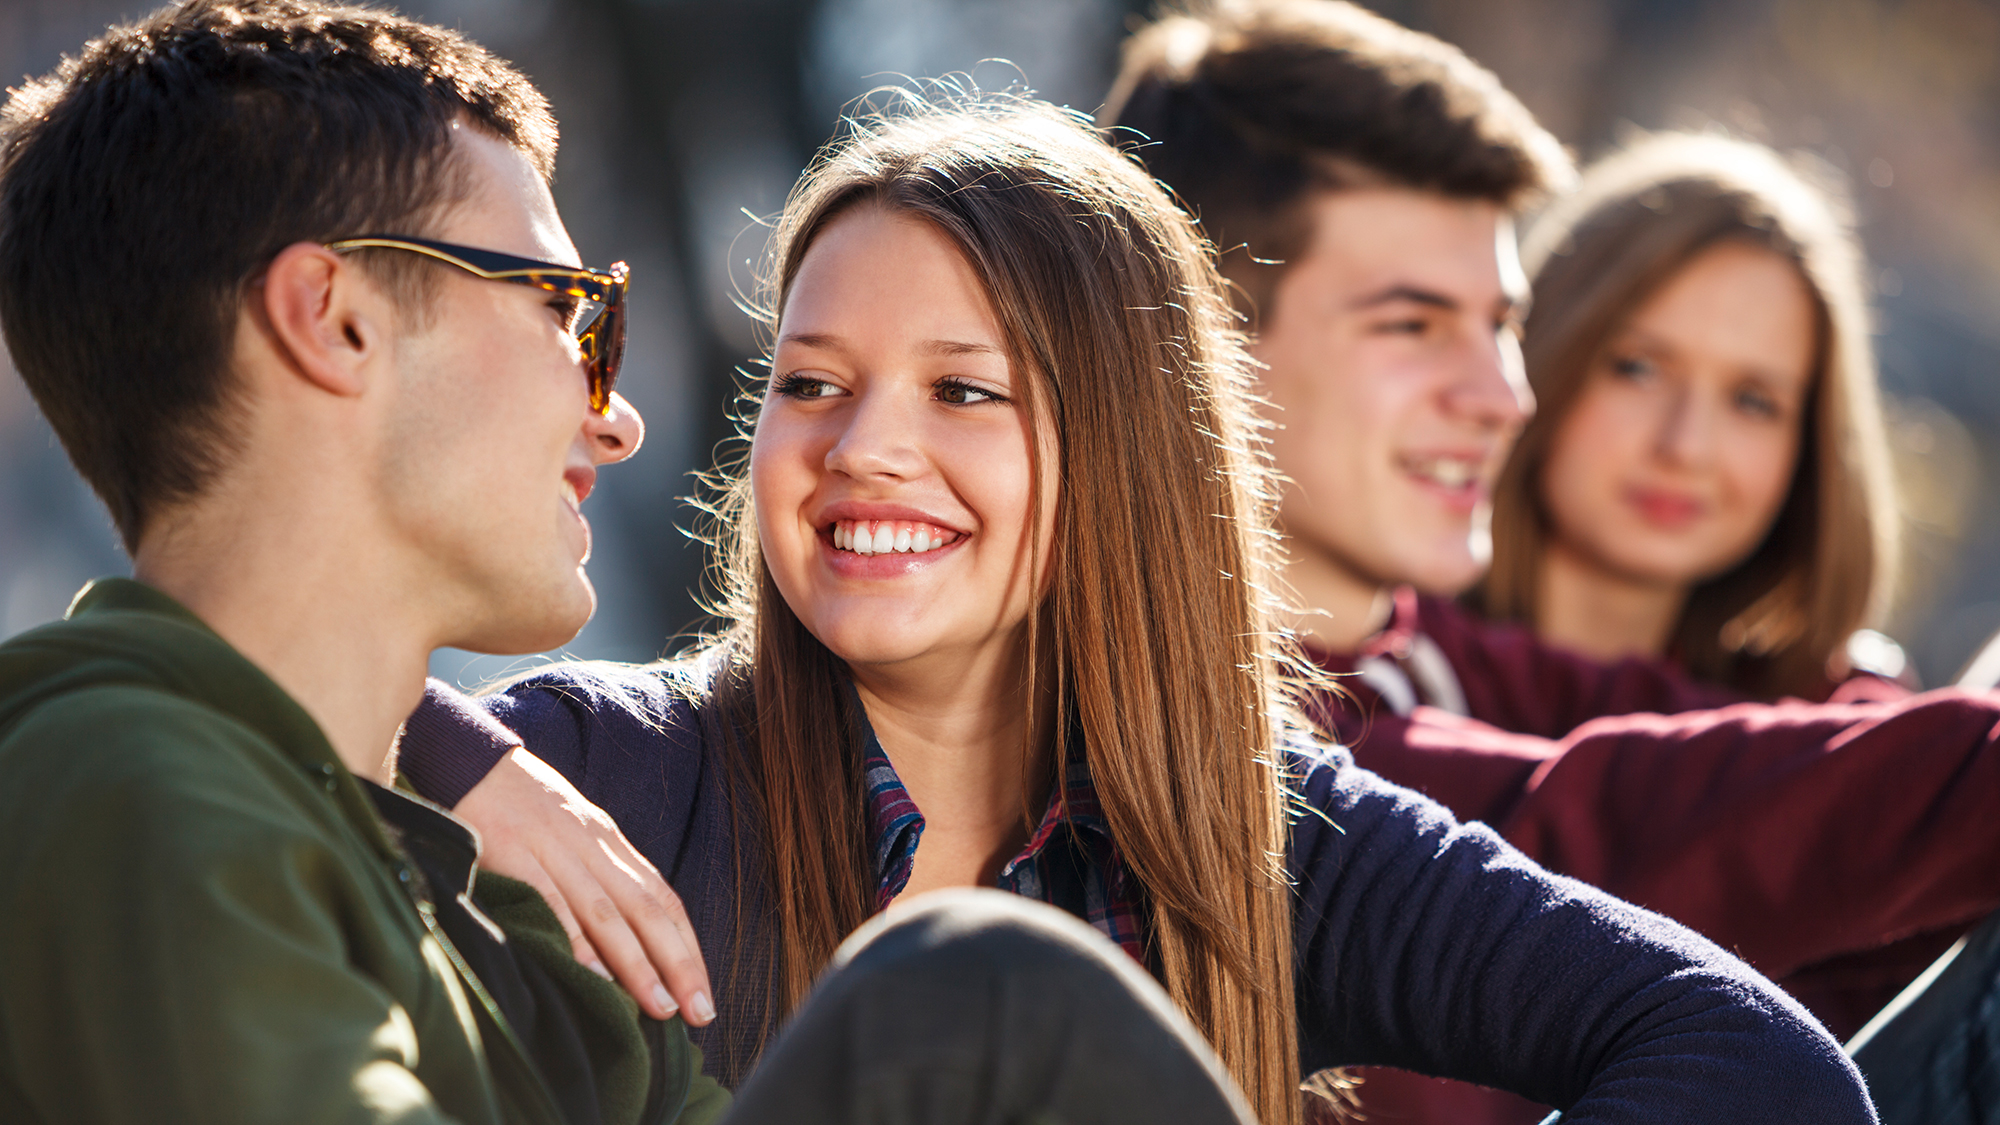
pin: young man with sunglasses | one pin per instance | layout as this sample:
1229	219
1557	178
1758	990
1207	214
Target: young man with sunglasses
288	282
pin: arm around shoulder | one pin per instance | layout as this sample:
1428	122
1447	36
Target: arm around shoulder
1692	814
594	734
1433	946
452	741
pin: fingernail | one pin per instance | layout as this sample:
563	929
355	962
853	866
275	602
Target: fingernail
703	1010
598	968
662	1000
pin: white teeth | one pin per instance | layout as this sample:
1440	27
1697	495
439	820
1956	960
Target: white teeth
569	490
1450	472
879	537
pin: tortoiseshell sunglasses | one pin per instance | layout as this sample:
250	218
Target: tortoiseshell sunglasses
598	323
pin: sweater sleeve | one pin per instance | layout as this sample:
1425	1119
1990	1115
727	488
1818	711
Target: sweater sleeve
1518	682
1790	833
449	744
624	735
1432	946
1476	770
453	740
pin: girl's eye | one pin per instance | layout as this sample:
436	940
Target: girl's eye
566	310
958	392
1756	403
1631	367
1412	326
800	384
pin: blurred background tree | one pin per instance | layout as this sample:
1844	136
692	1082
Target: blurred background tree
684	119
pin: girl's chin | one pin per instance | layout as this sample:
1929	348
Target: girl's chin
1662	566
870	643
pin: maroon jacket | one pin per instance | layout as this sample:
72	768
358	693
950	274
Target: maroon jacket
1507	677
1837	846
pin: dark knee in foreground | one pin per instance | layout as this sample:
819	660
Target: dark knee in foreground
968	929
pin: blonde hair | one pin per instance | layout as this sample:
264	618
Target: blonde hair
1153	639
1777	622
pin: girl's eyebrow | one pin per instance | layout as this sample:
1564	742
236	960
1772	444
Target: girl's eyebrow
826	341
956	347
822	340
1638	339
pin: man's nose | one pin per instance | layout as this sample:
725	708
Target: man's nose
615	434
1492	386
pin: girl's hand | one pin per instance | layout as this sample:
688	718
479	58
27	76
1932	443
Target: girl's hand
534	826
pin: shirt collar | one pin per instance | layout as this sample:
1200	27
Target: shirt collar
896	825
1400	631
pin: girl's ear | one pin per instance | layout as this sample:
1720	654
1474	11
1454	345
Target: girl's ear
322	316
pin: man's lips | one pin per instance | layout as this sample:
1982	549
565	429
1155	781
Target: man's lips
1456	478
576	486
579	481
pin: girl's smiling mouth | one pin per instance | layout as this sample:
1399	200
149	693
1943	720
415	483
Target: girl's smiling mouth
881	537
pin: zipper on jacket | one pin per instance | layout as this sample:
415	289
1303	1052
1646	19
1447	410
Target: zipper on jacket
522	1073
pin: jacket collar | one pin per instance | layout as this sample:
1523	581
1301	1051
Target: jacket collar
1395	639
151	638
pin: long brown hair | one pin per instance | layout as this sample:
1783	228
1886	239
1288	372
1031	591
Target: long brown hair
1776	622
1153	640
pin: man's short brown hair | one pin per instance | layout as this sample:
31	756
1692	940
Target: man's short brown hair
1246	107
148	180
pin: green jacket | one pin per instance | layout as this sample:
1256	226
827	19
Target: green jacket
202	918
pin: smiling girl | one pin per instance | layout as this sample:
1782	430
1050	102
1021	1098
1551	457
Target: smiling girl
1707	475
996	579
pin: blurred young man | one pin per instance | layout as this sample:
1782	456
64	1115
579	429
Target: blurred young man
1361	182
327	455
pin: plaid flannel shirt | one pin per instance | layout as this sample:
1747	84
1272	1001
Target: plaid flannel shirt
1071	861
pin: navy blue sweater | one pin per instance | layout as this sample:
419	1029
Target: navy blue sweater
1422	943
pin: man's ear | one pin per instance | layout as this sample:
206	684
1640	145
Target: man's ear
323	316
